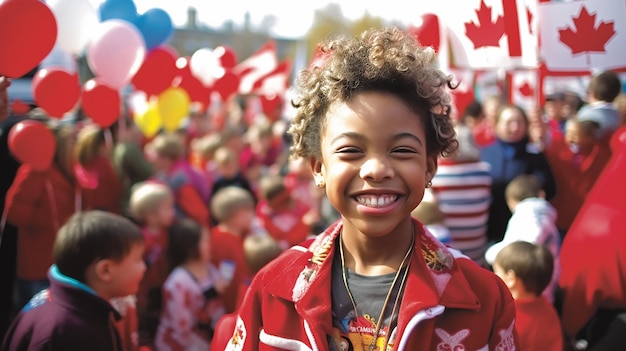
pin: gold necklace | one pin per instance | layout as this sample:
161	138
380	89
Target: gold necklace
372	346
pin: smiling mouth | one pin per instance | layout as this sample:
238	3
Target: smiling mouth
376	201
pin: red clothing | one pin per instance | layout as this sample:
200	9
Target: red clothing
39	203
574	176
484	133
538	325
285	224
228	247
449	303
593	254
103	189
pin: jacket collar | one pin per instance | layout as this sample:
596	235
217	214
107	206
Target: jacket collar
435	277
76	295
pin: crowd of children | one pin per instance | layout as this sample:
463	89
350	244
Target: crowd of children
220	237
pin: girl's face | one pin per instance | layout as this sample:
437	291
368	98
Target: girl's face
511	126
374	162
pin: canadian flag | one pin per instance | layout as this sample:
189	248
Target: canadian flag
463	95
275	82
262	62
491	33
583	35
523	88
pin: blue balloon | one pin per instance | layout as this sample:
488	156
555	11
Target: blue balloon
119	9
156	27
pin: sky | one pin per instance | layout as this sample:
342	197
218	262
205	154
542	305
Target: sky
293	18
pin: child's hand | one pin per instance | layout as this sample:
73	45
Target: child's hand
221	285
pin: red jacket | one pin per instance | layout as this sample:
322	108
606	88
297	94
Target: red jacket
103	187
448	304
39	203
228	247
574	178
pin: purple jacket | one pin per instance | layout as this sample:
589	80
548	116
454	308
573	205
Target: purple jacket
67	316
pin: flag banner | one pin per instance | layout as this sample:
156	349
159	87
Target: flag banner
583	35
262	62
488	34
463	95
275	82
522	88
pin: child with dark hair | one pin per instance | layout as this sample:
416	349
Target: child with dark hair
372	117
533	221
603	89
97	257
191	295
527	268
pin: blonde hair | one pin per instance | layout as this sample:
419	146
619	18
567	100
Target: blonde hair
224	156
88	142
260	250
227	201
146	197
207	145
170	146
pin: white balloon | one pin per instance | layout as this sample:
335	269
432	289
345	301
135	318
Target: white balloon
76	23
115	52
205	66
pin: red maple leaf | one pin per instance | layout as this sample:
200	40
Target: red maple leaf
526	90
485	33
586	37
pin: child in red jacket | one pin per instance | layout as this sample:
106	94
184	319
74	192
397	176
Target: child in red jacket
526	268
233	208
285	219
38	203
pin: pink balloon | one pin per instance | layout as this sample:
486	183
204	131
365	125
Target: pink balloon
115	52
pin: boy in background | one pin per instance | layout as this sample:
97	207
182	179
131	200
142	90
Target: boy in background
97	257
603	89
234	210
152	206
526	269
533	221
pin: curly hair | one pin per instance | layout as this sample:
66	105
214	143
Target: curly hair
382	60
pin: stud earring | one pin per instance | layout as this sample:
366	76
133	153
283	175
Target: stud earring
429	184
321	184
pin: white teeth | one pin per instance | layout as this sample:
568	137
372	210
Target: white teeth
376	201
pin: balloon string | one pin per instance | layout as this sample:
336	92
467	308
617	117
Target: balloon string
108	139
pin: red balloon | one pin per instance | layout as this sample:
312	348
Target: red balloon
197	91
157	71
226	55
56	90
101	103
227	85
32	143
427	33
28	32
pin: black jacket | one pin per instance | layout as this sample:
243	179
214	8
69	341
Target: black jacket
68	316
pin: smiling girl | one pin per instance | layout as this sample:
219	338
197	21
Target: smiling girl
372	118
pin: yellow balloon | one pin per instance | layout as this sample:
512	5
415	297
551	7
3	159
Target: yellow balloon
149	122
173	105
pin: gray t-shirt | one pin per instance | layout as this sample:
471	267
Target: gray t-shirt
369	292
